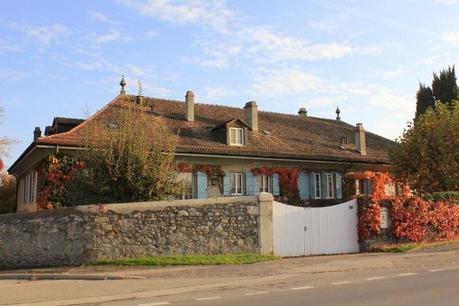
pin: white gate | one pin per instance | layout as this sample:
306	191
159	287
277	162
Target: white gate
312	231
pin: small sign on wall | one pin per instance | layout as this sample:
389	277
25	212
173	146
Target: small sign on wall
385	219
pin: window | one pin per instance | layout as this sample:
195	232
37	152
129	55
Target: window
264	183
317	186
330	193
237	183
186	180
28	188
236	136
363	186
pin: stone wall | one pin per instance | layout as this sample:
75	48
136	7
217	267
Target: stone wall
72	236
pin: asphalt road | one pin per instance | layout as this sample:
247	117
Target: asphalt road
436	286
420	278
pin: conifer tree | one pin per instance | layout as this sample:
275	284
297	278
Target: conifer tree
444	86
424	99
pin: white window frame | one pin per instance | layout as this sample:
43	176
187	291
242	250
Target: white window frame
317	187
28	188
237	183
266	183
238	139
186	195
330	192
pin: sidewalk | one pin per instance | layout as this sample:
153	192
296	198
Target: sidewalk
311	264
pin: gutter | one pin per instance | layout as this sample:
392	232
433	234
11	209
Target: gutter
34	145
350	163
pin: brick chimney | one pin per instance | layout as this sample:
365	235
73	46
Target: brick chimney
251	115
36	133
189	106
360	141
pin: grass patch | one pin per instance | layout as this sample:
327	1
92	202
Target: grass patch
181	260
408	246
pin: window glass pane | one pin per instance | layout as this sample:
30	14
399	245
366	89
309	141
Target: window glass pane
186	179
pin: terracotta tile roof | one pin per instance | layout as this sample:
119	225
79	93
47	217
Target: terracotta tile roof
290	136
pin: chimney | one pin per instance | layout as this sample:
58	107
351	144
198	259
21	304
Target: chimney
251	115
189	106
360	142
140	95
303	112
36	133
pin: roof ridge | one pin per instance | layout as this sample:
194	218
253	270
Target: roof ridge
242	108
84	123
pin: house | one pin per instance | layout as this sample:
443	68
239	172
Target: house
251	147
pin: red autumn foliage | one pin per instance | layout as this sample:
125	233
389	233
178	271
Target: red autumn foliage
416	219
369	221
210	170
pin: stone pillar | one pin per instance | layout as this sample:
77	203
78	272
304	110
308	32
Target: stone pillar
265	223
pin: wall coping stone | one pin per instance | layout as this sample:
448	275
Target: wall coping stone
160	205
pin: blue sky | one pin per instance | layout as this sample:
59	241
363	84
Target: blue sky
65	58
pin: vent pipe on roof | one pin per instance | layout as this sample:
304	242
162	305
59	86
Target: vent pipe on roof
251	115
123	85
360	141
36	133
302	112
140	94
189	106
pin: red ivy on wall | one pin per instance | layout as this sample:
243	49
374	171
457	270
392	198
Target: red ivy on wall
55	171
379	180
211	170
369	221
417	219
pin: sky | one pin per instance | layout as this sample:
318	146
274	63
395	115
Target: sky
66	58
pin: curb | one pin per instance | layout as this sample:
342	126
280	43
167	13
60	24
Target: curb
33	277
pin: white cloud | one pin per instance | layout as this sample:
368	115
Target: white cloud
12	75
389	99
328	26
45	34
213	14
284	82
100	17
447	1
151	34
451	38
217	92
8	46
388	74
112	36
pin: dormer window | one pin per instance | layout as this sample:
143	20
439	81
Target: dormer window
236	136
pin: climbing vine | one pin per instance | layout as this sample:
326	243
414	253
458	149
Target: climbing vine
55	171
369	220
210	170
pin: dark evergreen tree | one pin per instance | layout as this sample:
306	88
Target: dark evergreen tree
444	86
424	99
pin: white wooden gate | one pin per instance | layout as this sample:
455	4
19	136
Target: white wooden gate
302	231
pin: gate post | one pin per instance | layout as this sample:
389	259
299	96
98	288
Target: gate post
265	223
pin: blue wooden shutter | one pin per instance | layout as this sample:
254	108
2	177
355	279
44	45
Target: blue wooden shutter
249	183
202	185
276	188
339	183
303	186
256	184
227	184
323	178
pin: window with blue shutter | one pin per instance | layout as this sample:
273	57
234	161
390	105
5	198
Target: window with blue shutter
249	181
339	188
316	186
276	188
324	185
202	185
227	184
303	185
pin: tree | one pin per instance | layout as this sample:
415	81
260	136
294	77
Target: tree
4	142
7	193
134	161
424	99
427	154
444	86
